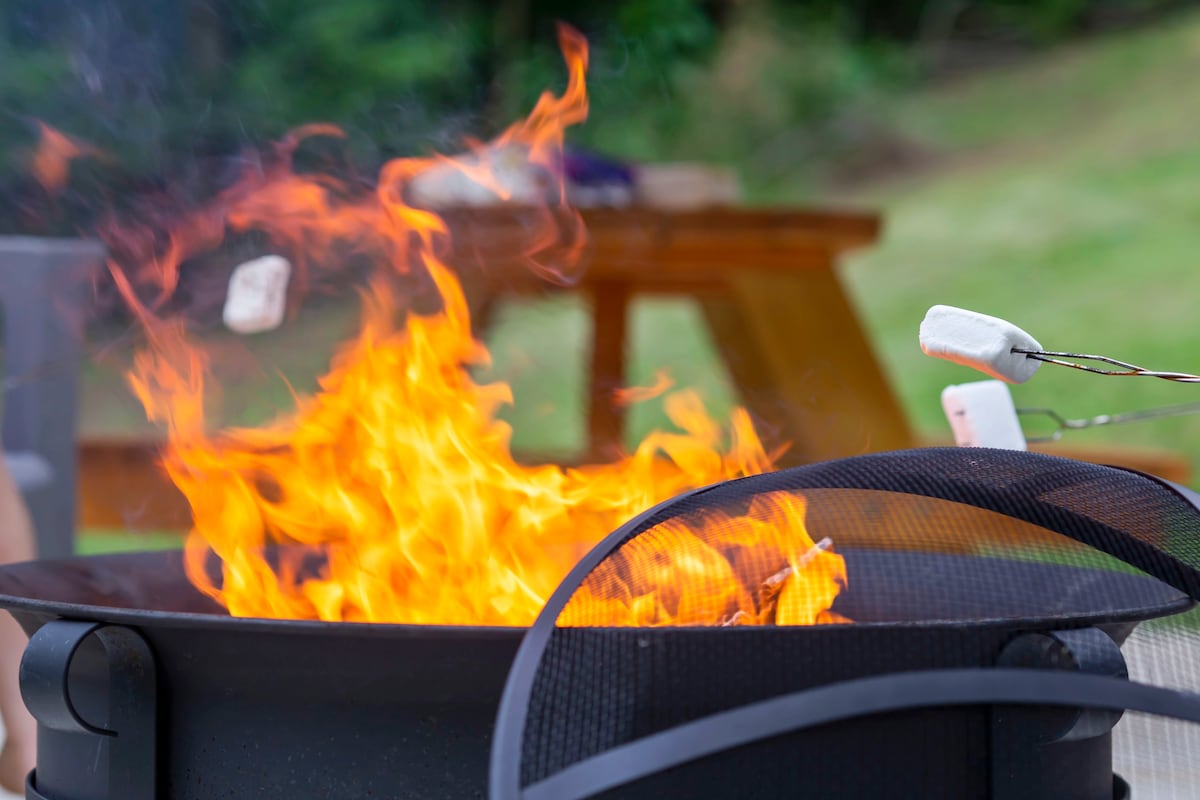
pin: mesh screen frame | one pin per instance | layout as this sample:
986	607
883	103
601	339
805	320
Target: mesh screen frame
1014	482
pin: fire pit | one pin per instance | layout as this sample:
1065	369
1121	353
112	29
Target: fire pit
233	707
360	571
882	707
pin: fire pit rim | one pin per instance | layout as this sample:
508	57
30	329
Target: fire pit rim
193	620
218	621
1172	603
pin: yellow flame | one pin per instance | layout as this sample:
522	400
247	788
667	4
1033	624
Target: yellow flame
391	494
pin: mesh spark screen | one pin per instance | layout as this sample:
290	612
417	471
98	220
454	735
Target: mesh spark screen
870	566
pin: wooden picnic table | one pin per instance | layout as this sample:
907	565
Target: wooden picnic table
767	283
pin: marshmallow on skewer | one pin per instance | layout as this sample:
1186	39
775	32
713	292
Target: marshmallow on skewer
979	341
982	414
257	297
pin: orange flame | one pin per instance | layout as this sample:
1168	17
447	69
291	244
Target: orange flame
51	160
391	494
759	568
629	395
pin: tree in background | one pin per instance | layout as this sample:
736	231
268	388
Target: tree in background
169	85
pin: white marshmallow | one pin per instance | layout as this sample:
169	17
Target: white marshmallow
979	341
981	414
257	297
452	184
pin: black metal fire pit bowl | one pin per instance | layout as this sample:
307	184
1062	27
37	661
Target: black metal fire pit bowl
967	674
144	688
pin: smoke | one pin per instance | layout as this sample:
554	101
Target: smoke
114	57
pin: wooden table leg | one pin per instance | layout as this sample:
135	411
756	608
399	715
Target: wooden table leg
606	373
803	366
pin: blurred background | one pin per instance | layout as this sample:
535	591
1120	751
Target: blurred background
1036	161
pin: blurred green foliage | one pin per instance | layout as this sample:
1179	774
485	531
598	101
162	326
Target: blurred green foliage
1068	181
176	92
757	85
388	70
759	82
27	74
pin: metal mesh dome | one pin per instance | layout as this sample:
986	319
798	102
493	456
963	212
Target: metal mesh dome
935	622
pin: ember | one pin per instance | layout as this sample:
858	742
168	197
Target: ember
50	163
396	478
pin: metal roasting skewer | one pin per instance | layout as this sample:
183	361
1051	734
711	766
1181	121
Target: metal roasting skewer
1054	357
1008	354
1126	370
1065	424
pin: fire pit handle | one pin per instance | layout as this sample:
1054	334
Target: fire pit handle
44	669
860	697
132	700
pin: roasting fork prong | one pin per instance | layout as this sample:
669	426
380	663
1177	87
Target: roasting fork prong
1126	369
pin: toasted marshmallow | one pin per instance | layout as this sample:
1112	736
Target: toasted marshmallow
979	341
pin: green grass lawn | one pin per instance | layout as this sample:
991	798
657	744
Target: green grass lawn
1062	194
91	542
1068	201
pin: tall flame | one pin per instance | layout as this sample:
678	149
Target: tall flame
391	494
51	160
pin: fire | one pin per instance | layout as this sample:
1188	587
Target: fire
628	395
391	494
51	160
729	574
